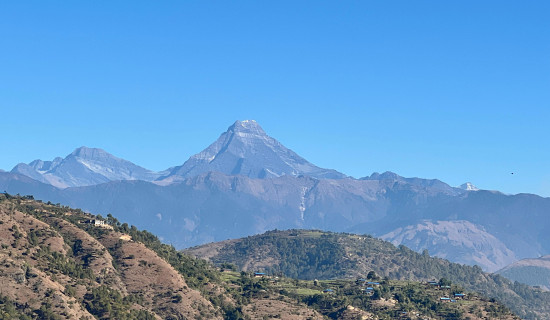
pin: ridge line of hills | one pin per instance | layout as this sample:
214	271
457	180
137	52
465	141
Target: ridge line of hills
62	263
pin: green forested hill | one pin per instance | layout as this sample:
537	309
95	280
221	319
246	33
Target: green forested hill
307	254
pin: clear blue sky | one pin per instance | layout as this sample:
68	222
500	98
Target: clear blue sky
455	90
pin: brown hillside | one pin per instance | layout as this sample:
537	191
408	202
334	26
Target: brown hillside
92	252
280	308
24	276
54	264
147	275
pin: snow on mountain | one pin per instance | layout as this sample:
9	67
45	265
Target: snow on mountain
245	149
468	186
83	167
29	171
45	166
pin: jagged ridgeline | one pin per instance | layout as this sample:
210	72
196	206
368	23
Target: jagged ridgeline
312	254
61	263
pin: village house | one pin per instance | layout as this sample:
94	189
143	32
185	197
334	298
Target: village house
98	223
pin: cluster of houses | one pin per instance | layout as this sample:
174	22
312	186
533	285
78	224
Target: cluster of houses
456	296
367	286
272	279
436	284
447	299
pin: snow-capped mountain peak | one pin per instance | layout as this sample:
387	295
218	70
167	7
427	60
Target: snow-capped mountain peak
247	126
468	186
84	166
246	149
91	153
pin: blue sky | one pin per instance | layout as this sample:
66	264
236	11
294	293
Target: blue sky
455	90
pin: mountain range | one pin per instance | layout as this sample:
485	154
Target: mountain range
246	183
244	149
84	167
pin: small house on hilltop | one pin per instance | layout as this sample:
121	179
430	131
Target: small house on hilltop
96	222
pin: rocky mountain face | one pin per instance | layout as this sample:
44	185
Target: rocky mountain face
245	149
84	167
456	240
246	183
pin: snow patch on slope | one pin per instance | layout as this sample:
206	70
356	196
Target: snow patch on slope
468	186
